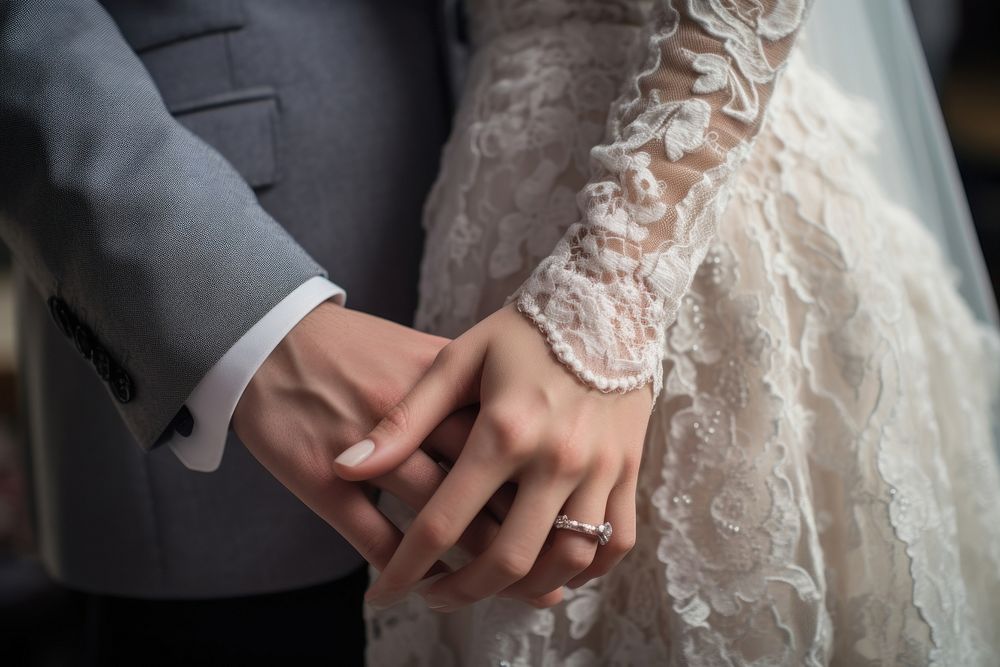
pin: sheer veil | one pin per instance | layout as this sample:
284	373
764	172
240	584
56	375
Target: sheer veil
870	48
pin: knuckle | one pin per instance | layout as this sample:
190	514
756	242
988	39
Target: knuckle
512	566
435	533
512	438
380	397
397	419
576	558
563	459
372	549
506	424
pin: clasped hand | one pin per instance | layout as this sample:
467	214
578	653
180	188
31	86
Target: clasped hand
540	444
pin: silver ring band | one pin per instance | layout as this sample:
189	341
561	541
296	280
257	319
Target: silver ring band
601	532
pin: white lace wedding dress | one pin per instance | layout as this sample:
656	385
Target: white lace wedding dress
818	484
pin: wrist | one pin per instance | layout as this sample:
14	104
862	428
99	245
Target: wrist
287	362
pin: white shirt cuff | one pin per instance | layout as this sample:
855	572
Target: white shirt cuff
214	398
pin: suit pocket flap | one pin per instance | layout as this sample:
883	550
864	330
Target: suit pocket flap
146	25
242	126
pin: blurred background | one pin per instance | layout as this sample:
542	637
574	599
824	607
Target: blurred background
40	623
964	56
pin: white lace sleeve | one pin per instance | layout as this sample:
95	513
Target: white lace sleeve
613	284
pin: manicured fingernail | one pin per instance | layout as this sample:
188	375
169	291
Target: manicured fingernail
356	453
434	603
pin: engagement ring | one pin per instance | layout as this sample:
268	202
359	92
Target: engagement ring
601	532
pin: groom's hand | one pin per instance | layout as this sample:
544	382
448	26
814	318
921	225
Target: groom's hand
335	376
335	373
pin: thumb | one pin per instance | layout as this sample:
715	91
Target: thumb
447	385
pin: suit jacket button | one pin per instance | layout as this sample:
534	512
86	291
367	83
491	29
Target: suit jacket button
60	313
121	384
84	340
102	362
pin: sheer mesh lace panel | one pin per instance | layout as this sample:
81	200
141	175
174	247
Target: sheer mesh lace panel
614	282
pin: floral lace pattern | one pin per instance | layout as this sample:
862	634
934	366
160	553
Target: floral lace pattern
606	294
818	484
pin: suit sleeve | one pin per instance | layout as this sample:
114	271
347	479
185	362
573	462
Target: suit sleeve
153	253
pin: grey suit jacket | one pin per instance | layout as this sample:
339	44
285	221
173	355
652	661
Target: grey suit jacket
169	171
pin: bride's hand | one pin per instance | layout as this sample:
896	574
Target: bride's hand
569	448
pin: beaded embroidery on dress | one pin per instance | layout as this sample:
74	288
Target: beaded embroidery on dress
818	483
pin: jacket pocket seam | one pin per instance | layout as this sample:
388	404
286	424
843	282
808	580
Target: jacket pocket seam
228	98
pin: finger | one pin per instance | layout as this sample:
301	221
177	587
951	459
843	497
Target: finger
512	554
415	481
571	553
500	503
448	384
550	599
355	517
447	441
444	518
621	514
346	506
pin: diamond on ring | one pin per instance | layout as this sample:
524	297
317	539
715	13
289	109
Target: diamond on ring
601	532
